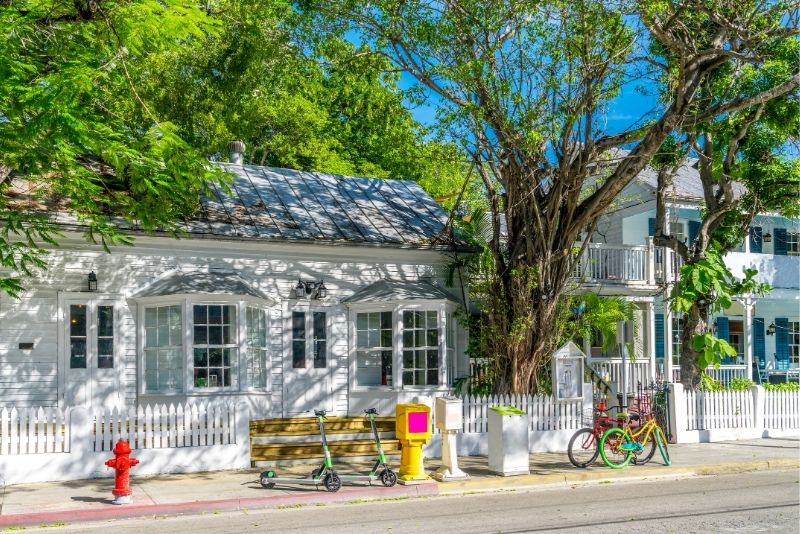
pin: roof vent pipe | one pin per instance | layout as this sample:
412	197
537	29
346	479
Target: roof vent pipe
236	150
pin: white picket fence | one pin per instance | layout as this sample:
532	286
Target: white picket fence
724	415
162	426
543	412
782	410
719	409
46	444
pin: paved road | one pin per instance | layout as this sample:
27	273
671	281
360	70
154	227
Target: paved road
745	502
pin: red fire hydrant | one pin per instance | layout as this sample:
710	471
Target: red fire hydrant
122	464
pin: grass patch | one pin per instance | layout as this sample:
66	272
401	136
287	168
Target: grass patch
289	506
51	525
385	499
13	529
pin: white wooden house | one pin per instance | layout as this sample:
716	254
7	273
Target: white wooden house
622	261
295	291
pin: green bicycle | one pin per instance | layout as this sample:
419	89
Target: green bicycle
620	445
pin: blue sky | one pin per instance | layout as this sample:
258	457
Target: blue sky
624	111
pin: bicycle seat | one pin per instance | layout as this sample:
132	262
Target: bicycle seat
373	411
319	413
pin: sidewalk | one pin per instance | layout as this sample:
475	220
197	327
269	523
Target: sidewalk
86	500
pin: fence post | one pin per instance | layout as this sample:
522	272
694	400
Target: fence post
758	409
242	422
678	419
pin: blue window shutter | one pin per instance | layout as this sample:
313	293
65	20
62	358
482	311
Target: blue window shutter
723	332
781	343
759	346
780	241
651	226
659	335
755	239
694	229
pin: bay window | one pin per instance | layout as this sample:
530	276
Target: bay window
405	346
189	345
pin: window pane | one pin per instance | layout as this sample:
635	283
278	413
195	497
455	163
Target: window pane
299	354
201	357
77	354
215	357
215	335
362	338
386	338
77	320
433	358
408	319
386	320
214	314
200	315
408	359
433	338
433	378
163	368
320	354
408	378
298	325
105	353
200	335
105	321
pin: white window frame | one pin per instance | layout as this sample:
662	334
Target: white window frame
187	302
794	343
792	243
444	309
308	309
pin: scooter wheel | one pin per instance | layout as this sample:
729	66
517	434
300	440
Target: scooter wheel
264	479
332	482
389	478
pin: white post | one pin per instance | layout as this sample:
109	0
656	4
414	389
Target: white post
651	262
758	410
242	433
651	337
667	342
678	419
748	334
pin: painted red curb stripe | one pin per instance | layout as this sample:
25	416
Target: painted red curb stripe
222	505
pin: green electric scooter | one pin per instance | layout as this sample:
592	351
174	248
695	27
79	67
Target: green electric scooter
380	471
324	474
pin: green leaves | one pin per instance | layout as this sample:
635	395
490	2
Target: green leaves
712	350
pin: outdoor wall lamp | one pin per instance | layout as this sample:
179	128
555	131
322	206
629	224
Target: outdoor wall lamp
771	329
313	290
91	282
767	238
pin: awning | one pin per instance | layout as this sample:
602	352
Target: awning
202	283
398	290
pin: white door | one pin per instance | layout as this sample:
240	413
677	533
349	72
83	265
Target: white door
90	359
307	381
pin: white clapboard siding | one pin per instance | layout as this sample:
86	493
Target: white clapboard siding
33	431
544	413
160	426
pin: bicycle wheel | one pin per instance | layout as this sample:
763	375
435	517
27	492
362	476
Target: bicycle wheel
641	457
582	449
661	440
611	451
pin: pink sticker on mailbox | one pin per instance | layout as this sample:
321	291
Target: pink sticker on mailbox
418	422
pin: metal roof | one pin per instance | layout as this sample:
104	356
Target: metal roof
267	202
198	282
392	290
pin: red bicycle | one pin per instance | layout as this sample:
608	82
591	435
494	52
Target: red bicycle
584	445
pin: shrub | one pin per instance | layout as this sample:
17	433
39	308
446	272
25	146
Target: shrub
740	384
788	386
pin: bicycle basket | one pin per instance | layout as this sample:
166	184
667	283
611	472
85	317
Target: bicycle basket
587	417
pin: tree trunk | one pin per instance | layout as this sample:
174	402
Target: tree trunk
694	323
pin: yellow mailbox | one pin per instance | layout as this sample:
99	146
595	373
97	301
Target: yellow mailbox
413	429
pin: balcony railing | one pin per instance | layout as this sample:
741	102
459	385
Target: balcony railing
627	264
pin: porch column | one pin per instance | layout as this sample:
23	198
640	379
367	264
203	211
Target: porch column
651	337
749	306
667	342
651	262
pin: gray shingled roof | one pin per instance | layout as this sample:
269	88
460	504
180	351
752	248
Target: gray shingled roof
392	290
213	283
266	202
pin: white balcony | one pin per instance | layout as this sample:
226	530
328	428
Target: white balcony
633	265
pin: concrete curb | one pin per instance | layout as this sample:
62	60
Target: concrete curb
373	493
310	498
603	475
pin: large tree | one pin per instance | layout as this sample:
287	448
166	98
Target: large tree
112	108
746	165
526	86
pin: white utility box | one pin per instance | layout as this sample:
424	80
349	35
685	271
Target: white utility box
449	413
509	442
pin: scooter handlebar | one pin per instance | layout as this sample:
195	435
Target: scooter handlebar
319	413
373	411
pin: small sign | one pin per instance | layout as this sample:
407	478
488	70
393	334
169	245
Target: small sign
568	373
26	346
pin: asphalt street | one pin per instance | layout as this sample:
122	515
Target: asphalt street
765	501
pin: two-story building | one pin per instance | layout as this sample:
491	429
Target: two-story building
765	330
